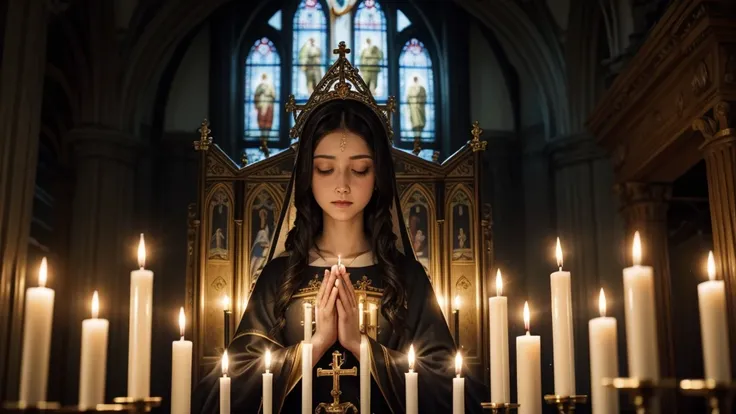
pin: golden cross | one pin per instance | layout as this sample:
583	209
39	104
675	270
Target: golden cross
341	50
204	137
336	372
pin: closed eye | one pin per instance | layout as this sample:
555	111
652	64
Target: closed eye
362	173
325	172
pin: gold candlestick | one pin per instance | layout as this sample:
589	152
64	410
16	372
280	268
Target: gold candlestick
718	395
643	392
336	372
130	404
565	403
499	408
19	406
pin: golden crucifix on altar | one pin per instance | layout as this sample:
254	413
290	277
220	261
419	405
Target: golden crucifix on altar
336	372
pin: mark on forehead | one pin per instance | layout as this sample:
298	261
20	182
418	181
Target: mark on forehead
352	157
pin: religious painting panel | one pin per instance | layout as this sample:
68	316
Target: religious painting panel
416	93
310	48
262	92
418	213
464	284
371	47
262	209
462	224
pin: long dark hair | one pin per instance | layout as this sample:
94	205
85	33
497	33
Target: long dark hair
377	221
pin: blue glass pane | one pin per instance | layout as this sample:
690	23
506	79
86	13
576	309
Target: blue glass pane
371	41
275	20
255	154
402	22
262	92
425	154
416	99
310	48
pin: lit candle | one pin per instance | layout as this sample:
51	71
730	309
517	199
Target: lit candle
224	387
181	371
458	387
641	322
373	317
307	378
499	332
456	312
562	329
339	261
412	397
226	319
713	325
93	362
528	370
268	386
603	360
361	314
139	330
39	314
307	322
365	375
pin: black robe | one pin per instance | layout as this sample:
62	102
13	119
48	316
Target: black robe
427	331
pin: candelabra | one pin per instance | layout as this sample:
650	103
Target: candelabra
499	408
718	395
643	392
565	403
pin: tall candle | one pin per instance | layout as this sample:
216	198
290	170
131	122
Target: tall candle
528	370
139	330
307	322
713	325
307	378
227	313
373	317
181	371
224	387
39	314
412	396
93	362
365	375
456	312
268	386
499	338
361	314
562	329
603	360
458	387
641	322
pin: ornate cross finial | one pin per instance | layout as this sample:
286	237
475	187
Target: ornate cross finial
476	144
205	140
336	372
341	50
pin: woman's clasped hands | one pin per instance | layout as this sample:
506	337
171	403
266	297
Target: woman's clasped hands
336	311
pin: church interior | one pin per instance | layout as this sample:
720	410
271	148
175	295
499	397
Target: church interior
516	122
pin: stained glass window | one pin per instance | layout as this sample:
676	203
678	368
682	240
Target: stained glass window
310	48
262	92
371	49
275	20
402	22
416	86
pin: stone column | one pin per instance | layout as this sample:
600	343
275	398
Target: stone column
644	207
21	89
587	227
719	150
103	244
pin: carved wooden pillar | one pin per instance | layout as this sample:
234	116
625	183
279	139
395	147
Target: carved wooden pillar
21	88
719	150
644	207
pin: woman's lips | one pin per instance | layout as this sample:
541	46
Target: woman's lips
342	203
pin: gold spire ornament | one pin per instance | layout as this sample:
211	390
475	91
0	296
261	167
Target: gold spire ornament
341	81
336	372
476	144
205	140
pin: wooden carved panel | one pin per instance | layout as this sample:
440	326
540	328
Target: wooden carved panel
262	208
460	212
418	208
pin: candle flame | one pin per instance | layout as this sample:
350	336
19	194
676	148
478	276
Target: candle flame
411	357
636	249
224	363
142	253
95	305
226	303
43	272
458	363
558	254
711	266
499	283
527	316
268	360
602	303
456	303
182	321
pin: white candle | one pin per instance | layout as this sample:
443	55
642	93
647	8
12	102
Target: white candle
603	360
307	378
412	397
361	314
181	371
528	370
458	387
713	326
39	314
139	330
365	375
641	322
562	329
499	336
373	316
93	362
268	386
224	387
307	322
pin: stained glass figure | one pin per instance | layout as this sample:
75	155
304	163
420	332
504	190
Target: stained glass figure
416	85
262	92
